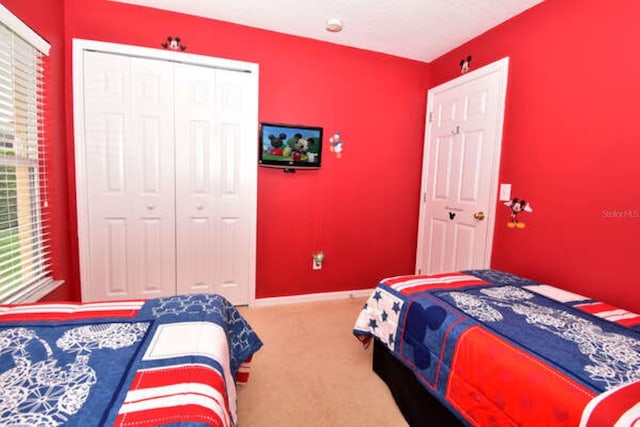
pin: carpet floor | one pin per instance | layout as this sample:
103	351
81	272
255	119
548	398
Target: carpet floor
312	371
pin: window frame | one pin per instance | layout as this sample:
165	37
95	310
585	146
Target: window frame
23	154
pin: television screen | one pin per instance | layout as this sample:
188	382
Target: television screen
290	146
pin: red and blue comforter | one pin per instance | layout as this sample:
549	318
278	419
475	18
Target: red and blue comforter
498	349
166	361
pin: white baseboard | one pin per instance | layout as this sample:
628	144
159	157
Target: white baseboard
324	296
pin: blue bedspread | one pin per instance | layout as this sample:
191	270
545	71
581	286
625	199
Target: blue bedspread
122	363
476	339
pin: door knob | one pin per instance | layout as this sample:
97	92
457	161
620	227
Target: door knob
150	207
479	215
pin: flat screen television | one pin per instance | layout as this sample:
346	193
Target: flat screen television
290	146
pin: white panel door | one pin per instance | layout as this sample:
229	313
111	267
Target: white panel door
166	172
461	160
129	183
216	116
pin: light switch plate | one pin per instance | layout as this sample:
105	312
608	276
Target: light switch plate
505	192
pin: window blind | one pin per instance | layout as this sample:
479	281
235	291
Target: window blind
24	226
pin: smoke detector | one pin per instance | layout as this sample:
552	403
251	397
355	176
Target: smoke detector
334	25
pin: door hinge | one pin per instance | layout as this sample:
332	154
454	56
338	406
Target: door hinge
430	116
424	197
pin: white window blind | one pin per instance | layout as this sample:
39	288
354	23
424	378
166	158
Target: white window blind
24	227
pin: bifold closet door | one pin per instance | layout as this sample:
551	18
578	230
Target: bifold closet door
129	177
215	123
166	156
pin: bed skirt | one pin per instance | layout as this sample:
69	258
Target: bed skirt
416	404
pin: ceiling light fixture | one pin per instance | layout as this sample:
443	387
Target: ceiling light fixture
334	25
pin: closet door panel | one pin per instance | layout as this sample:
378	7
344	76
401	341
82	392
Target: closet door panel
214	150
237	115
154	175
128	122
195	177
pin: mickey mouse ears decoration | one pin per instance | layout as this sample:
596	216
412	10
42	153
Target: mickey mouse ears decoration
173	43
465	64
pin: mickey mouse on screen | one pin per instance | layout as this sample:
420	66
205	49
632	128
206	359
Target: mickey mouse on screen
517	206
301	149
277	142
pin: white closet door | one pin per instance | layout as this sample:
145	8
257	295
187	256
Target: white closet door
129	182
216	116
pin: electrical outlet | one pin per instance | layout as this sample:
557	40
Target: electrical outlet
318	257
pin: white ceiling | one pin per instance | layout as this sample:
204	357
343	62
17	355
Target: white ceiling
416	29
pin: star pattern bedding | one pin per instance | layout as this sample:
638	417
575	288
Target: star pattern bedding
166	361
498	349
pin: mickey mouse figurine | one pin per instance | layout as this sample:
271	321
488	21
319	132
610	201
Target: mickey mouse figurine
517	206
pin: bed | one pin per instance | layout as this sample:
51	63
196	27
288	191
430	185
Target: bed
165	361
488	348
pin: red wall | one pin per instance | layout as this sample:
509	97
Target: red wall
46	18
571	143
362	209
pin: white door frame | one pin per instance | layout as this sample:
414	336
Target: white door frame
501	66
78	48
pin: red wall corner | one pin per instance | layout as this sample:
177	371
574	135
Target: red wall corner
570	144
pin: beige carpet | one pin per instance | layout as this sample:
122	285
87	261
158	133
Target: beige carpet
312	371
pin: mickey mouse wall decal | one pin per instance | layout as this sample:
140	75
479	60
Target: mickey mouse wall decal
465	64
517	206
173	43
